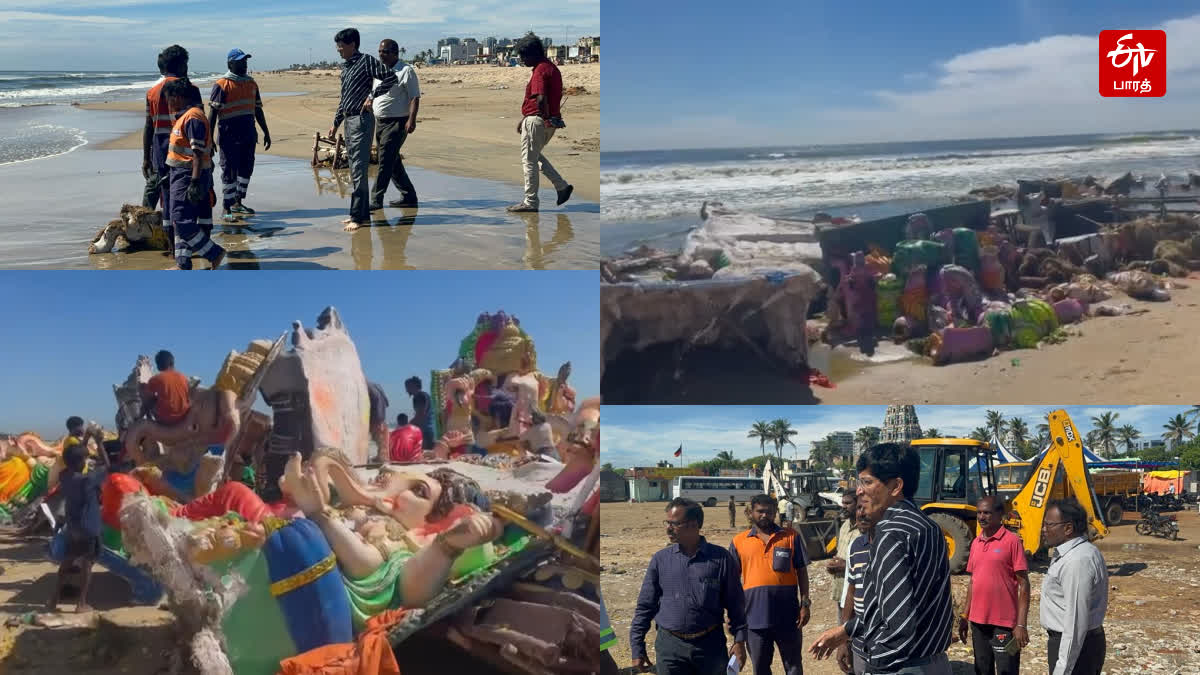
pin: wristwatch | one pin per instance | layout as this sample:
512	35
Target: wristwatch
805	603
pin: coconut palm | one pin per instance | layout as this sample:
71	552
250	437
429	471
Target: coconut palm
762	431
726	456
1127	434
1018	434
1178	429
866	437
932	432
981	434
1106	432
781	434
995	423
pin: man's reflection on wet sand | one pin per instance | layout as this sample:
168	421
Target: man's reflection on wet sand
536	253
393	237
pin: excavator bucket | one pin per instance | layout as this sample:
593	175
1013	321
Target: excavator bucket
820	537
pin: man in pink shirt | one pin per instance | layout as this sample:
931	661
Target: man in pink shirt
997	603
404	445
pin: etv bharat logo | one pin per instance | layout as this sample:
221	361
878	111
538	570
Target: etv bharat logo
1133	63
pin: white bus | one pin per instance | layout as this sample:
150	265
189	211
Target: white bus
710	490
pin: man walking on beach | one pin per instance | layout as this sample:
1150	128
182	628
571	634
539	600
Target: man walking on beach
774	565
540	118
689	586
172	64
354	107
189	154
906	617
732	514
235	103
395	118
1074	593
997	604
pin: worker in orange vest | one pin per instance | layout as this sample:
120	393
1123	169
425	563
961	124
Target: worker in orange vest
189	154
235	104
172	64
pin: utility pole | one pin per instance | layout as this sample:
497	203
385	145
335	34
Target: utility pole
310	55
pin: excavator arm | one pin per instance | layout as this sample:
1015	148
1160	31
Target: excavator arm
1065	454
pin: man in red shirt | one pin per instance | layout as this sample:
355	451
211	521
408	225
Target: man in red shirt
540	118
166	394
404	445
997	603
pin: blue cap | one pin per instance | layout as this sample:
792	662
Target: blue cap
236	55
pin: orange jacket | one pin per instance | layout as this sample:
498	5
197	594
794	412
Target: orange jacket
156	107
241	98
181	147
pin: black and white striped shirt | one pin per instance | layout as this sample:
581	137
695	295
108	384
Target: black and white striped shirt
907	591
357	73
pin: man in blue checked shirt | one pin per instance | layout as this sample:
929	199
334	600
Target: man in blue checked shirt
688	588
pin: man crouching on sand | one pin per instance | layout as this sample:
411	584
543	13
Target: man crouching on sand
189	154
540	118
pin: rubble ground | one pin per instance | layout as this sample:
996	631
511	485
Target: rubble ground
1153	599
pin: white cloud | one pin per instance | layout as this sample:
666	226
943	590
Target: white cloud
18	16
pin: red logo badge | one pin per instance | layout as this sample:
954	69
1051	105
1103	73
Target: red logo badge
1133	63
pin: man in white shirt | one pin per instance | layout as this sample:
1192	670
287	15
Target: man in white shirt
395	119
1074	593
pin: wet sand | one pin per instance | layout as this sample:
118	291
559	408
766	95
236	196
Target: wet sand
467	122
1138	359
461	222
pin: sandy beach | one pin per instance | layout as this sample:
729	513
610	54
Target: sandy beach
467	123
1134	359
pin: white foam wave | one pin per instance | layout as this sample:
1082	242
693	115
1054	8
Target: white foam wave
63	94
801	184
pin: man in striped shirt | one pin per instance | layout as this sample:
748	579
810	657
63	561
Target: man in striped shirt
905	624
858	556
358	73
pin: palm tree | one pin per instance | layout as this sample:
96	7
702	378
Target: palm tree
403	51
781	434
1194	412
1178	429
607	466
995	423
1127	435
726	456
762	431
981	434
1018	433
822	452
866	437
932	432
1106	431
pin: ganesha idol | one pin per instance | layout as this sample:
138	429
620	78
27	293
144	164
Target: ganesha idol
487	398
174	460
259	583
30	466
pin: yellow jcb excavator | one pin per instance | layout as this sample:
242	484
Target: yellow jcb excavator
957	472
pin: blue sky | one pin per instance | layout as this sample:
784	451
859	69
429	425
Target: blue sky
643	435
128	34
71	335
699	73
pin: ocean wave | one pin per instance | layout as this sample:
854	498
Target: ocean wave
798	185
66	88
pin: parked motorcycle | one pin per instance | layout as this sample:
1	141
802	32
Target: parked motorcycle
1155	523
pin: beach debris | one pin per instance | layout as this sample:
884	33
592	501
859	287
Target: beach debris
136	229
1085	288
455	81
1120	185
332	152
994	193
951	344
575	91
1140	285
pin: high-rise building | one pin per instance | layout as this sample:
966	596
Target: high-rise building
900	424
844	442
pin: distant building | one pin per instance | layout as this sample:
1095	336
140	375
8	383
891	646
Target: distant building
844	442
447	41
653	484
490	43
613	487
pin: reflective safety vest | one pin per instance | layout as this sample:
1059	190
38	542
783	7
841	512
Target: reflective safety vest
239	98
156	107
179	152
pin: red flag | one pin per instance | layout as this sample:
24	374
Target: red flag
679	452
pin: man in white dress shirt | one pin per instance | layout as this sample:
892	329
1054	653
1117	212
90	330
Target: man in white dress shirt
395	119
1074	593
